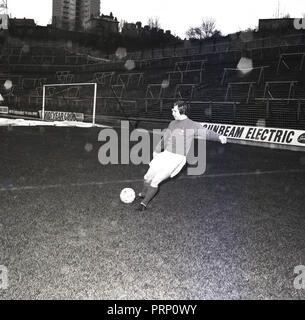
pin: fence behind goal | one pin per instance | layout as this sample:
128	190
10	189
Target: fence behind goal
69	102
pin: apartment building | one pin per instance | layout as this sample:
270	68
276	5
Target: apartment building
73	14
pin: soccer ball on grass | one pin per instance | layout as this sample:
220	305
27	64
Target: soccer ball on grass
127	195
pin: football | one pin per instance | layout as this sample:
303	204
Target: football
127	195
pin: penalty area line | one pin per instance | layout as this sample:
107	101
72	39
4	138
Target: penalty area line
129	181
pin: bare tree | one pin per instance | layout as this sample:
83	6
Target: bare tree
122	24
206	30
208	27
154	23
194	33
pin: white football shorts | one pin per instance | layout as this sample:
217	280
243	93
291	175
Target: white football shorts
164	165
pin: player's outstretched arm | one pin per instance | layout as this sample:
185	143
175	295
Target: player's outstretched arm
209	134
213	136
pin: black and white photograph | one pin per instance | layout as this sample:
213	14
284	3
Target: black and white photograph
152	151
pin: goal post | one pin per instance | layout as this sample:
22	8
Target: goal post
69	101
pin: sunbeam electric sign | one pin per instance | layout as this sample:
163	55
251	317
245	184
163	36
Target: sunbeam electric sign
259	134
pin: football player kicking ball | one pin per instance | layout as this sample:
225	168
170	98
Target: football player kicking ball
177	142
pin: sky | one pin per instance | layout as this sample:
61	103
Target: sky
175	15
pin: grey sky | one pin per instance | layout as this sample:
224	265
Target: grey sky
175	15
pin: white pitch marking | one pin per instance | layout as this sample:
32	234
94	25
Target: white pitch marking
89	184
239	174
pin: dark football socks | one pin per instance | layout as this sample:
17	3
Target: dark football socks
150	194
142	194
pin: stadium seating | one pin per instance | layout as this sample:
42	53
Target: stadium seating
272	90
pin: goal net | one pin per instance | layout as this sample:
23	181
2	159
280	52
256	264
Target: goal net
69	102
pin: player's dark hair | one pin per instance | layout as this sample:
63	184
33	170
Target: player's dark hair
182	107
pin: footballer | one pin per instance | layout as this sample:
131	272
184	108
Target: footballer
171	160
